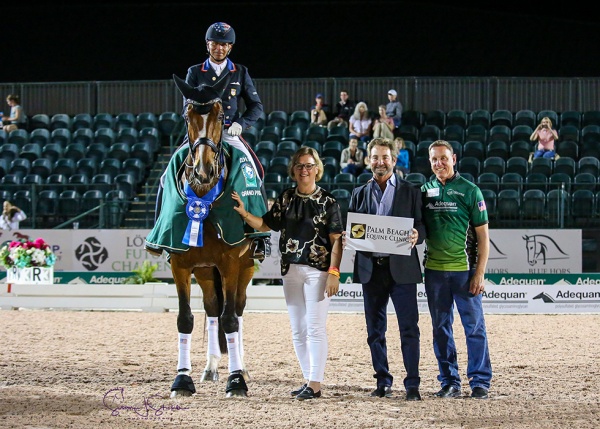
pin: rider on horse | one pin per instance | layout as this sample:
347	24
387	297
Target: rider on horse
234	80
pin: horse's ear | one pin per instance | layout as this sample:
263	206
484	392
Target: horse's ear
186	90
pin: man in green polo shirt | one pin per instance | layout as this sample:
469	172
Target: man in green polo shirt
456	256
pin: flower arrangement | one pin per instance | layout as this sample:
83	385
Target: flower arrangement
25	254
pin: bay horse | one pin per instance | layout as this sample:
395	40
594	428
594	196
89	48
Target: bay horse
223	268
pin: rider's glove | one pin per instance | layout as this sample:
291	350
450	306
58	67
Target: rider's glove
235	129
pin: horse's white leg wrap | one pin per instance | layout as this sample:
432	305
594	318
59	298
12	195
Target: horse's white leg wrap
213	337
213	353
233	348
241	339
185	344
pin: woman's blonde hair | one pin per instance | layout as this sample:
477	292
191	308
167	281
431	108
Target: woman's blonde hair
306	150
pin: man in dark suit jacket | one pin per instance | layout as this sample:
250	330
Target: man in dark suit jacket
390	276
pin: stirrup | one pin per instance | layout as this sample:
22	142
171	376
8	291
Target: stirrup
260	246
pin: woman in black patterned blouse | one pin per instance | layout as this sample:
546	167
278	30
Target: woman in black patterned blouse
310	223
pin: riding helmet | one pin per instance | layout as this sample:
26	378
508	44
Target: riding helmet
220	32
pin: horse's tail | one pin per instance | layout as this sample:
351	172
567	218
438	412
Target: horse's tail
221	301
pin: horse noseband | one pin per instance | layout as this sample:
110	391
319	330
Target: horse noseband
205	141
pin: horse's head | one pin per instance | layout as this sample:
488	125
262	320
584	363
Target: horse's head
204	117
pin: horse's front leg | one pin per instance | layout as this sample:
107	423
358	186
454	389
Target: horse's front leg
232	321
183	384
206	280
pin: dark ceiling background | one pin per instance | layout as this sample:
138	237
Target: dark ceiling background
66	41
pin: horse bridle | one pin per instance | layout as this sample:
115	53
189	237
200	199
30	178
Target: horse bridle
218	150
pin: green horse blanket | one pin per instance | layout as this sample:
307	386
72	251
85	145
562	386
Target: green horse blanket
173	221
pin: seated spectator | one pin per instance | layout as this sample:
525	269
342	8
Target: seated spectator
352	158
318	114
545	136
17	118
403	160
343	109
383	127
360	122
394	108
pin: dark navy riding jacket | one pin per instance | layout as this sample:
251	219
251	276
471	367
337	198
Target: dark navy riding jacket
240	85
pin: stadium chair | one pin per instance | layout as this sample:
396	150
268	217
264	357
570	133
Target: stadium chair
454	132
344	181
429	133
314	144
533	206
39	121
490	198
105	135
60	120
508	207
90	200
125	120
567	148
590	141
136	168
271	133
333	149
251	136
103	120
489	180
82	120
20	167
56	182
583	205
277	118
476	132
521	148
300	118
570	117
511	181
41	167
266	149
128	135
121	151
589	164
47	203
525	117
408	133
9	151
286	148
521	132
415	178
64	166
292	133
500	132
40	136
31	151
69	204
590	117
585	181
87	166
146	120
85	136
343	197
469	164
143	151
61	136
11	180
102	183
559	181
536	181
565	165
125	183
549	114
481	117
96	151
502	117
412	117
474	149
150	136
275	181
457	117
316	133
20	137
170	123
494	164
436	117
497	148
74	151
542	165
22	199
568	132
338	133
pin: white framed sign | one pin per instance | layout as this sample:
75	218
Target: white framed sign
381	234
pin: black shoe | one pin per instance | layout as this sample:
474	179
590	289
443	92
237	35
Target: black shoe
308	393
448	392
412	394
382	392
298	391
479	393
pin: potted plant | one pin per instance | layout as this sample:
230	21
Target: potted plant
143	274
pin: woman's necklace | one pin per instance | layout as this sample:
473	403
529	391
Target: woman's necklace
302	194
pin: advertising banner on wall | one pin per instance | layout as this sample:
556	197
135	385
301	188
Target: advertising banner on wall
524	251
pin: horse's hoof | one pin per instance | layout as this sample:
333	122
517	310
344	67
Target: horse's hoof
209	375
236	386
183	386
180	393
246	375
